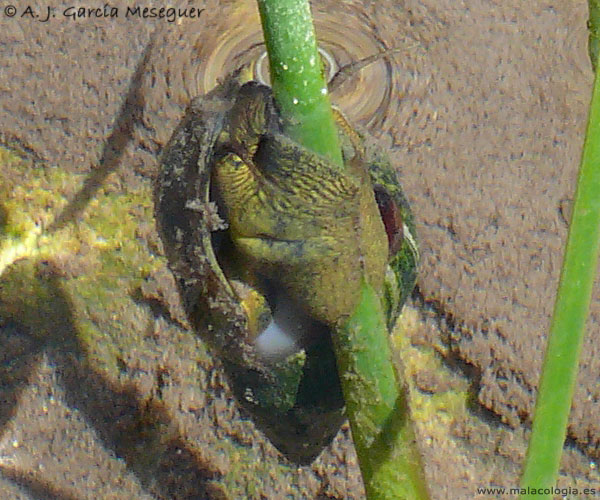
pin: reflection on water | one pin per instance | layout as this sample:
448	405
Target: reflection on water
232	38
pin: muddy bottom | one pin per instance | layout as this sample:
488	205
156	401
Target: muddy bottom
105	391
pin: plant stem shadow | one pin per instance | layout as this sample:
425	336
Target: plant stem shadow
130	113
139	430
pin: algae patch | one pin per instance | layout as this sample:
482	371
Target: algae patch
96	261
435	411
75	289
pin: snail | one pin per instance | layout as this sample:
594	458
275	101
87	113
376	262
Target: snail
268	243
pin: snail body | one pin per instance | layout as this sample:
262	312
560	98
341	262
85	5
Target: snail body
269	243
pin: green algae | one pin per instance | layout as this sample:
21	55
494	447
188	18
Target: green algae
98	260
74	287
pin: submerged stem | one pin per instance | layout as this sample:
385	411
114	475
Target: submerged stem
376	404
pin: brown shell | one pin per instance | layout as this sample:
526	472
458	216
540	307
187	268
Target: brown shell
297	402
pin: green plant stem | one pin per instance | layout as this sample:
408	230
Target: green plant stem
383	433
376	406
568	323
594	29
297	78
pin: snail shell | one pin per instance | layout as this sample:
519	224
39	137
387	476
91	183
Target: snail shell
292	388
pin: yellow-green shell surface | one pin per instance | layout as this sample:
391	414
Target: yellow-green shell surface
305	224
245	213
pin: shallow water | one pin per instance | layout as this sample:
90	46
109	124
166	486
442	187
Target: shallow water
369	96
497	85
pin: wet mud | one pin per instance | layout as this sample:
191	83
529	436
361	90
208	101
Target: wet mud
483	104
